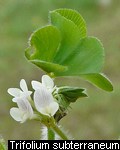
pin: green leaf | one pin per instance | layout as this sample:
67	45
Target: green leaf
48	66
71	29
87	58
66	95
63	49
43	44
75	17
72	93
99	80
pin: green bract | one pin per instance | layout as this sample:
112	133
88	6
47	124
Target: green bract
66	95
71	94
64	49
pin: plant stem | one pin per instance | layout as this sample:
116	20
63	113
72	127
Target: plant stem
50	134
2	144
52	127
59	132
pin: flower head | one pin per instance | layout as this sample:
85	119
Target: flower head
44	101
23	112
19	93
47	82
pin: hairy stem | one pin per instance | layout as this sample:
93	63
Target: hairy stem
50	134
59	132
2	144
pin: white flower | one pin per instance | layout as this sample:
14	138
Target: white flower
46	82
43	98
23	112
19	93
44	101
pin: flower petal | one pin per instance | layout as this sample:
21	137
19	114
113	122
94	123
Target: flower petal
14	92
47	81
14	99
16	114
25	107
50	109
26	94
23	85
53	107
25	117
42	98
36	85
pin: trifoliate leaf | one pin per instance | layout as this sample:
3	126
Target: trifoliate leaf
64	49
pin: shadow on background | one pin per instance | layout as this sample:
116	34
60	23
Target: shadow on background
97	117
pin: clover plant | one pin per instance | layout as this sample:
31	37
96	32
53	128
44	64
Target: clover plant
61	49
